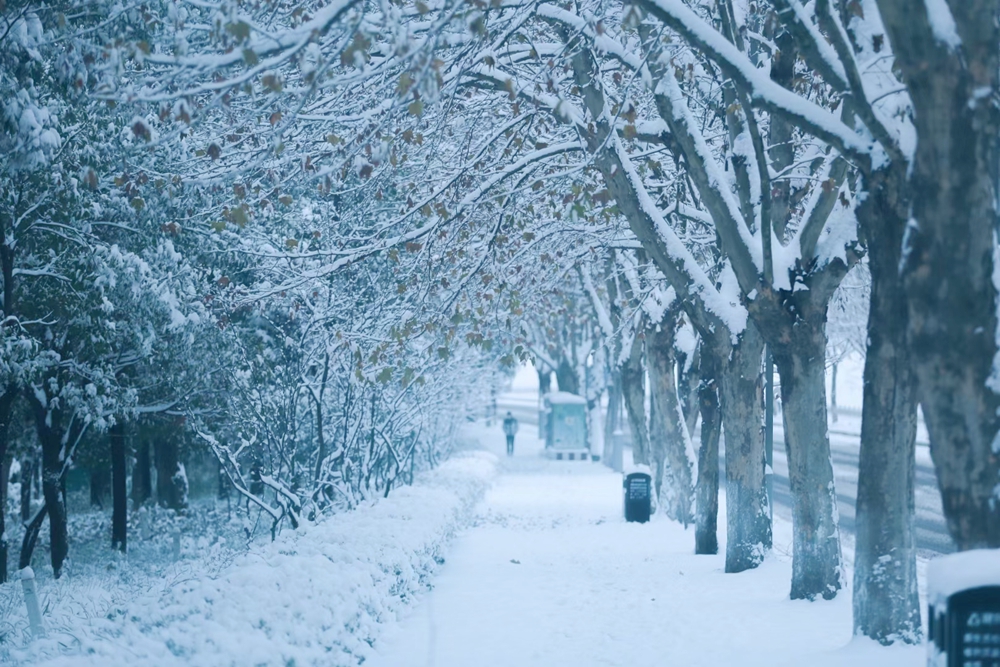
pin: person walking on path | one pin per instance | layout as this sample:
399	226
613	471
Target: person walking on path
509	429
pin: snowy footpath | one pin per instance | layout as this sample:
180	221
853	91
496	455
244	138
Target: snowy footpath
550	575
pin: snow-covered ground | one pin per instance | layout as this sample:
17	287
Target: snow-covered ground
550	575
542	572
318	596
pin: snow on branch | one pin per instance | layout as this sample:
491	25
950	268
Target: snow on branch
809	116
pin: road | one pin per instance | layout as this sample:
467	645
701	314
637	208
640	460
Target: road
932	534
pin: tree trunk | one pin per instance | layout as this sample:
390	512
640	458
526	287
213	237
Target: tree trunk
169	488
47	423
6	413
833	391
886	605
668	429
706	540
142	476
948	260
689	388
119	495
748	520
4	483
222	491
612	444
544	381
567	377
98	486
801	364
27	476
634	397
31	529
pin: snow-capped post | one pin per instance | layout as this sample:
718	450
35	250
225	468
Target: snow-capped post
31	602
963	599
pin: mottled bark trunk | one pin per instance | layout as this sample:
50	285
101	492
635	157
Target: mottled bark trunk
949	254
748	522
886	605
634	397
801	364
706	540
119	494
669	429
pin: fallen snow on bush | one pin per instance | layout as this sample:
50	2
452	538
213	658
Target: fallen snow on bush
317	596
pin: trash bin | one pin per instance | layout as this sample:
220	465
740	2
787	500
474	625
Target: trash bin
963	597
638	495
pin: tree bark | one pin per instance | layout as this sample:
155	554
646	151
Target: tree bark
99	481
668	427
27	475
119	494
611	423
32	528
706	540
567	377
634	396
169	491
142	476
6	413
886	605
689	388
544	381
833	393
4	483
748	519
948	262
50	434
801	364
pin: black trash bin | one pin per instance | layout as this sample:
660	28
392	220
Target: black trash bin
963	625
638	496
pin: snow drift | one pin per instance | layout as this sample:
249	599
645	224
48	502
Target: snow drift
314	596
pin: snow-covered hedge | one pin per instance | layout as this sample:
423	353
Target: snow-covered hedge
316	596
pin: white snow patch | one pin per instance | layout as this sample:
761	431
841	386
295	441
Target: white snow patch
956	572
942	23
316	596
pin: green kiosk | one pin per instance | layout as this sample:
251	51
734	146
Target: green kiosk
565	417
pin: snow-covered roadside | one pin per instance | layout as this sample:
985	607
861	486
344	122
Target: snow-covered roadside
314	596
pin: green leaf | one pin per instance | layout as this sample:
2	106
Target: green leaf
239	216
239	29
